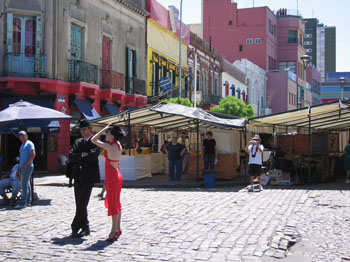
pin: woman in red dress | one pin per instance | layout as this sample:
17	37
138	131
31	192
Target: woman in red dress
113	177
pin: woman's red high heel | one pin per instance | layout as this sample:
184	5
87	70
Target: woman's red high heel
114	236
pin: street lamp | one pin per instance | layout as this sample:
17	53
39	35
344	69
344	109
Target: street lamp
180	43
306	60
342	82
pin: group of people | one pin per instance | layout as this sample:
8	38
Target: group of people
178	149
177	154
83	167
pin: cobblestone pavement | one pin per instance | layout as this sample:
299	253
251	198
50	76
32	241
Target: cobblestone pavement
222	224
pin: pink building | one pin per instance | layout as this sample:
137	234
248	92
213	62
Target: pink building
271	40
313	76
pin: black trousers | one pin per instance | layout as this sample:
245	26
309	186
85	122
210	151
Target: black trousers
82	194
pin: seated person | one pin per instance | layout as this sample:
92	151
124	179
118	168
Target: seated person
10	181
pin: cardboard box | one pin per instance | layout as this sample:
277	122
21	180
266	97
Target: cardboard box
274	176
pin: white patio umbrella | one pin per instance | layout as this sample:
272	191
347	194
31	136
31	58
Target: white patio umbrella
23	110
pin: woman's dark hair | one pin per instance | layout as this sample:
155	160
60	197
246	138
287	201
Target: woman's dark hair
117	132
209	133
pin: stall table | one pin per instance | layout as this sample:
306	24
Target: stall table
226	167
131	167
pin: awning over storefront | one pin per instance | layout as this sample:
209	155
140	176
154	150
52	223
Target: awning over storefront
167	116
333	116
31	126
112	108
87	109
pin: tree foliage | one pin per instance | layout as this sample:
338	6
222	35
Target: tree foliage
231	105
179	100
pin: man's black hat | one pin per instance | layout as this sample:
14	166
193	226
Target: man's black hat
84	123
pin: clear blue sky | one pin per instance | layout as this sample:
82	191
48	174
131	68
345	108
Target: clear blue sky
329	12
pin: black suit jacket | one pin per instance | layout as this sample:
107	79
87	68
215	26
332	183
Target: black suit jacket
86	169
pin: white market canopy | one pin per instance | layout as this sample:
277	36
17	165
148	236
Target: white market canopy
168	116
333	116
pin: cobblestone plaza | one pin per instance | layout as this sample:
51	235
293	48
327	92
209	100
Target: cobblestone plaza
221	224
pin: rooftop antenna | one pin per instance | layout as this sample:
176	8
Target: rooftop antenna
297	7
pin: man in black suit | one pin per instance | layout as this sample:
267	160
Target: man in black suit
84	158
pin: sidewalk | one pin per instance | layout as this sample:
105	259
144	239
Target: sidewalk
157	181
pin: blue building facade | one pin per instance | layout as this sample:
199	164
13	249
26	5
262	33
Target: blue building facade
331	89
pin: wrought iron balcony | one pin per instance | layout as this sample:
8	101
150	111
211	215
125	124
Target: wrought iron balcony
24	65
211	99
135	86
81	71
112	80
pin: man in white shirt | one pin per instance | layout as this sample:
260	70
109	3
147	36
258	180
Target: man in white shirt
255	150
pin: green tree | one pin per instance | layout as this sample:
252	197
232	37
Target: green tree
231	105
179	100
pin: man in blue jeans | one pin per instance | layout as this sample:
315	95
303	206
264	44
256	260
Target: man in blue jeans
26	167
175	151
10	181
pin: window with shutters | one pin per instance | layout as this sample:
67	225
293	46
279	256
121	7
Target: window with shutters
131	63
24	55
23	35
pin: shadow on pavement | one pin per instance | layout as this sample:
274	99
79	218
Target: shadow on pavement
99	245
42	202
198	189
67	241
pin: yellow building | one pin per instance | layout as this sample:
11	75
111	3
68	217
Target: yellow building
163	60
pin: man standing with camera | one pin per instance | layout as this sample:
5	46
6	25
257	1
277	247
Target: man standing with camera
84	158
255	151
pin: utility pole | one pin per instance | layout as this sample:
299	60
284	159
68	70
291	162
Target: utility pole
180	46
195	80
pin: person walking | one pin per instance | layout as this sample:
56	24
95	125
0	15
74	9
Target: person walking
84	156
114	178
347	162
185	141
209	151
255	150
165	157
26	167
175	152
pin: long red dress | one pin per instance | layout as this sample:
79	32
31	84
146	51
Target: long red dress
113	183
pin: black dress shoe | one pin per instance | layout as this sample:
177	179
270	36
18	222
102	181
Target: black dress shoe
84	233
75	234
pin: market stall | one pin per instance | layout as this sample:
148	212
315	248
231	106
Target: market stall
163	118
307	142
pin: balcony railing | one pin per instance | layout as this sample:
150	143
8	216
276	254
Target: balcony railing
211	99
25	66
112	80
81	71
135	86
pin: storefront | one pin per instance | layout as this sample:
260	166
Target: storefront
42	133
53	138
